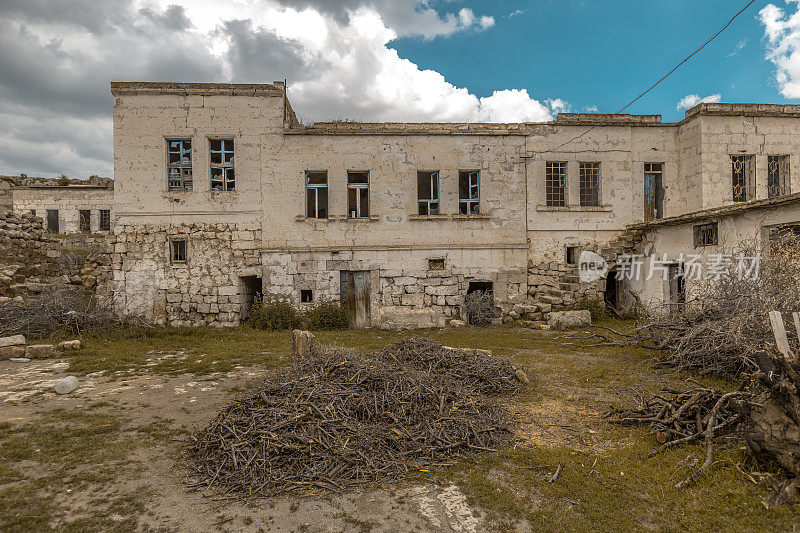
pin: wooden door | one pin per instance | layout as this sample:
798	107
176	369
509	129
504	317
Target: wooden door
354	293
52	220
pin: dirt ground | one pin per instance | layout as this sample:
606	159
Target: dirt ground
108	456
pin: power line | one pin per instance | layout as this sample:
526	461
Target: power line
668	74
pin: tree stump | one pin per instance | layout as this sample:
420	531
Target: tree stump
302	343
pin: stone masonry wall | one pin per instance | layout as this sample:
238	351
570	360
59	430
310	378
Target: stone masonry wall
28	257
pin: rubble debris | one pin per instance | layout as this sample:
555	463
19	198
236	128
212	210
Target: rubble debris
569	319
336	420
66	385
70	345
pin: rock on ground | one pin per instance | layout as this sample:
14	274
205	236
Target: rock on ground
570	319
39	351
66	385
13	340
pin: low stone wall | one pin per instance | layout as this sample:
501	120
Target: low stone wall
558	284
29	258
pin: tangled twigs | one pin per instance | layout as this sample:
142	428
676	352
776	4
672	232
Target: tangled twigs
593	337
336	420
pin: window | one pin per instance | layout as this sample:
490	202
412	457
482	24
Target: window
222	171
105	220
85	220
706	235
589	182
177	250
179	165
33	212
743	174
572	255
469	192
316	194
653	191
778	175
555	178
428	192
436	264
357	194
306	296
52	220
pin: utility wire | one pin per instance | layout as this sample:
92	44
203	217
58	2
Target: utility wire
668	74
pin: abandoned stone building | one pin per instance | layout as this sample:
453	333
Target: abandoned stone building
221	194
64	206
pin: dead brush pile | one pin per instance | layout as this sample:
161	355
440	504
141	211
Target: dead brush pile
335	420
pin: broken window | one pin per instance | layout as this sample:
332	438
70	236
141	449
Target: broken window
572	255
316	194
306	296
589	184
357	194
778	175
436	264
743	174
105	220
555	178
52	220
85	220
177	250
653	191
469	192
706	235
222	165
179	165
428	192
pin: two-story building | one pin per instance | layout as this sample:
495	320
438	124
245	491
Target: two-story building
221	194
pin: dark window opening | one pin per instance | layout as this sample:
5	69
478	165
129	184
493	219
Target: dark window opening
482	286
428	193
33	212
589	182
52	220
555	178
306	296
177	250
572	255
317	194
357	194
85	220
469	192
105	220
743	174
653	191
706	235
435	264
778	176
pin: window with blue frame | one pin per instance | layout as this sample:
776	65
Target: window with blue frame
316	194
179	164
358	194
469	192
222	165
428	193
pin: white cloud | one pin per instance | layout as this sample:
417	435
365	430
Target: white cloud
738	48
335	54
782	31
591	109
691	100
517	12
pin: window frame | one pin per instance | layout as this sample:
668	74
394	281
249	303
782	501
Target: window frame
748	174
706	234
779	169
471	200
358	187
433	176
100	220
228	184
181	166
555	195
315	188
588	192
85	223
172	252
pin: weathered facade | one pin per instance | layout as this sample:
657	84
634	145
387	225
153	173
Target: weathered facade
221	194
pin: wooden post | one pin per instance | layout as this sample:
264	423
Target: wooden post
796	317
781	342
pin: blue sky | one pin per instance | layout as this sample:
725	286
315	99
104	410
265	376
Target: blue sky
605	52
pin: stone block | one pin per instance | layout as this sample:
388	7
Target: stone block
70	345
569	319
39	351
11	352
13	340
414	300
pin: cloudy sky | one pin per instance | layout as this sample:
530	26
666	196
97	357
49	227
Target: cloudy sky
404	60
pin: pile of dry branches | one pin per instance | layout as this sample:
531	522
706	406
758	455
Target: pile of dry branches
336	420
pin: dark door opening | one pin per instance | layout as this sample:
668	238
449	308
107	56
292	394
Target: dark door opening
251	288
612	292
677	288
653	191
354	294
52	220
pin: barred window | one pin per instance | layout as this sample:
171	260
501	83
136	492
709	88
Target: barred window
743	175
222	165
177	250
357	194
316	194
105	220
589	184
428	193
706	235
469	192
85	220
778	176
179	165
556	183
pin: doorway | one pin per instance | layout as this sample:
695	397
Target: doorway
677	288
52	220
354	293
251	288
653	191
612	292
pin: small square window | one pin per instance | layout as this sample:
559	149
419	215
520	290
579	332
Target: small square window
436	264
706	235
306	296
572	255
177	250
